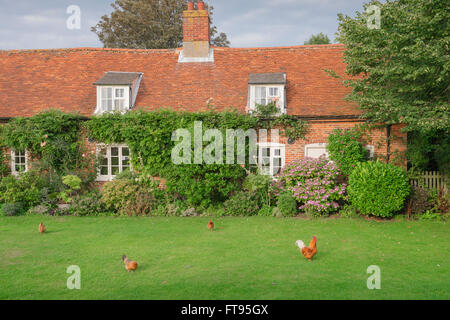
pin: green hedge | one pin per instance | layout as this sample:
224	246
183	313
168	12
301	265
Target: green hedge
378	188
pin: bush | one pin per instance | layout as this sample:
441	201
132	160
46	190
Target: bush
346	149
204	185
12	209
349	211
377	188
259	184
287	204
242	204
38	210
265	211
313	183
431	215
277	213
24	189
73	184
87	205
139	196
419	200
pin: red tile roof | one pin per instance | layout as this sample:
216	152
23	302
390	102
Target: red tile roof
36	80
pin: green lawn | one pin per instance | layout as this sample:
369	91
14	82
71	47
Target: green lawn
244	258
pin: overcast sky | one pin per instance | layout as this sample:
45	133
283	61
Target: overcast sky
30	24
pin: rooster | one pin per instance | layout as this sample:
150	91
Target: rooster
308	252
129	265
210	225
41	228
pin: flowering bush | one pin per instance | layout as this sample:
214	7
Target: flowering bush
313	183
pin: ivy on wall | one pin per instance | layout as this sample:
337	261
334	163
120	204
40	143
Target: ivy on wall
55	139
149	137
52	137
148	134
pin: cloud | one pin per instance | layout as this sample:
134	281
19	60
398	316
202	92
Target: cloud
41	24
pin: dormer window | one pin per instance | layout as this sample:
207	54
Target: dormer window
266	94
113	99
117	91
265	88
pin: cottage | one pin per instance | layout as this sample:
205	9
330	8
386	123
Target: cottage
92	81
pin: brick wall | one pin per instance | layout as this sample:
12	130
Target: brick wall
319	130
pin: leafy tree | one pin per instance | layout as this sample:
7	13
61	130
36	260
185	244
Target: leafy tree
428	150
148	24
399	73
319	38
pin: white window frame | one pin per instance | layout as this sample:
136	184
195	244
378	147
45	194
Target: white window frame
13	162
110	176
316	146
272	146
281	96
125	98
370	148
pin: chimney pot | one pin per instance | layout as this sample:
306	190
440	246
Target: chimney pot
201	5
191	6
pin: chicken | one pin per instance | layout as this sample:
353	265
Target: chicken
41	228
308	252
210	225
129	265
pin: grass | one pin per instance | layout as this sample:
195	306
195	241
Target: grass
244	258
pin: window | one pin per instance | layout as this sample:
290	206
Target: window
18	161
264	94
113	159
271	158
112	99
315	150
371	150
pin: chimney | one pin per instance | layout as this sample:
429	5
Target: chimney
196	33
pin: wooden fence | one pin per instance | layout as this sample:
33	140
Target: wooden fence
430	180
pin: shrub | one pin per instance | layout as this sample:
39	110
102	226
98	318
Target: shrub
287	204
419	200
265	211
440	201
346	149
259	184
431	215
349	211
276	212
377	188
73	184
204	185
12	209
87	205
139	196
24	189
242	204
38	210
313	183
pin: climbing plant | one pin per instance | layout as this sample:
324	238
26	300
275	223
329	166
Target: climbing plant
52	138
149	137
